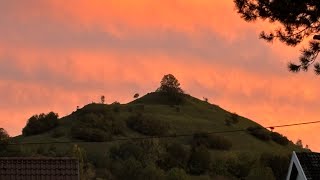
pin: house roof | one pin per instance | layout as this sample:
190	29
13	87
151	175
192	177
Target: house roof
310	163
39	168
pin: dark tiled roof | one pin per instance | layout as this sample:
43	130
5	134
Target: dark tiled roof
39	168
310	163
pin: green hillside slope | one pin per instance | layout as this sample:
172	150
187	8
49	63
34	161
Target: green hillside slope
154	115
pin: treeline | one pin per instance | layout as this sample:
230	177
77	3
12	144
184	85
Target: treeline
41	123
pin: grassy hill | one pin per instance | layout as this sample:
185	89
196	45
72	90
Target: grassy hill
154	114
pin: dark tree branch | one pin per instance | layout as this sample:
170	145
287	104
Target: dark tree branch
299	20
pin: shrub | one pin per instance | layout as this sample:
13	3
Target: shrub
116	106
233	118
93	127
41	123
240	165
90	134
219	142
177	156
153	150
97	109
128	169
176	174
278	163
126	151
152	172
136	95
261	173
199	162
259	132
278	138
211	141
147	125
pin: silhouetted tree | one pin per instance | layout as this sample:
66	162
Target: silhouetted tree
299	143
169	84
40	123
298	20
307	147
4	136
103	98
205	99
136	95
233	118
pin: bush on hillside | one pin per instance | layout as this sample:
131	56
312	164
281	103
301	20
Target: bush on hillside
147	125
118	127
177	174
154	149
261	173
90	134
98	109
116	106
277	162
199	162
211	141
126	151
41	123
177	156
127	169
240	165
93	127
259	132
152	172
279	138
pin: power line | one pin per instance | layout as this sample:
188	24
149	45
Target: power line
165	136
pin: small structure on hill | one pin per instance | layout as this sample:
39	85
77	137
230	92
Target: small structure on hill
29	168
304	166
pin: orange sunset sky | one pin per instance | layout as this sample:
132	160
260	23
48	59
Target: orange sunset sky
56	55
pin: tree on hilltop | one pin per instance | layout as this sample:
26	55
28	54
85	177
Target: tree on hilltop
169	84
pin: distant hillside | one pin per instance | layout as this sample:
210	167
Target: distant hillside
155	115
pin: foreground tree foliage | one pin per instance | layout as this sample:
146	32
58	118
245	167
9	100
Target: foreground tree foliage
40	123
3	134
298	21
4	137
278	163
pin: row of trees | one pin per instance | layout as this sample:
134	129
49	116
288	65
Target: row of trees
40	123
